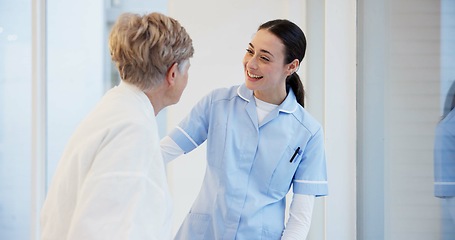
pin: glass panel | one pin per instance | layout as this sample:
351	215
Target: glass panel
79	65
406	66
15	119
75	52
76	69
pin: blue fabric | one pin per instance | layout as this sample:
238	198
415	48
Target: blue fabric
249	171
444	157
448	218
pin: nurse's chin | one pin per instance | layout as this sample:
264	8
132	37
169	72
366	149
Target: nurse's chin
252	85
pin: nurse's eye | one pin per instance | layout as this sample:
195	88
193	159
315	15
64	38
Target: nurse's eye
249	51
265	59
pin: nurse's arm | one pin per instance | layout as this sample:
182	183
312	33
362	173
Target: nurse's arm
300	214
169	149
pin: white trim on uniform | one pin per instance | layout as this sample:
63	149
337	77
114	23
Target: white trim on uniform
188	136
313	182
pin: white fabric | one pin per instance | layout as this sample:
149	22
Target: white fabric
169	149
263	109
111	181
448	218
300	214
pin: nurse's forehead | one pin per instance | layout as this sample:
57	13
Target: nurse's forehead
267	42
260	50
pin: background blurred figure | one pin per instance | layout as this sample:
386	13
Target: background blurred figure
111	182
444	165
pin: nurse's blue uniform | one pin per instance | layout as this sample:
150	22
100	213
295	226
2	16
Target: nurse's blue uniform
444	173
444	157
250	167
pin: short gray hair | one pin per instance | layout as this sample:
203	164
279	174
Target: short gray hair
145	47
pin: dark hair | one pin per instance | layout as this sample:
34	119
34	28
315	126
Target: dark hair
449	103
294	41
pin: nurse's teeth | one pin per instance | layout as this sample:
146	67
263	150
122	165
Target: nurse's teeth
253	76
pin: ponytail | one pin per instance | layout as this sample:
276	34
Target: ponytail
293	81
294	41
449	103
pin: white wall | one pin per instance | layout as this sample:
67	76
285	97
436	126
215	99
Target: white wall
340	120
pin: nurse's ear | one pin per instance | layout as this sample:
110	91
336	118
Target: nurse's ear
171	75
292	67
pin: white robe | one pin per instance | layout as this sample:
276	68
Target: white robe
111	181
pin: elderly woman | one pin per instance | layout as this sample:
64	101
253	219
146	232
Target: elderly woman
111	182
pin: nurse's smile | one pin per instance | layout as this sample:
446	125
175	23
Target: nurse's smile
253	77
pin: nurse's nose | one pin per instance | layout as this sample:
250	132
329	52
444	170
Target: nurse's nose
252	63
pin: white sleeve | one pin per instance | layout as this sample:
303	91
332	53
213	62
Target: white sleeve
300	214
169	149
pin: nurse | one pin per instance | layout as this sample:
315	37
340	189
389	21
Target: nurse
260	142
110	182
444	165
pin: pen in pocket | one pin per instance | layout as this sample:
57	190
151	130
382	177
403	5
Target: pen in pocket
295	154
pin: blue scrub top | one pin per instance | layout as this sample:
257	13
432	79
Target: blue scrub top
444	157
249	171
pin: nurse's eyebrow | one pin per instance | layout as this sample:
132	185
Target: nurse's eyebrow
262	50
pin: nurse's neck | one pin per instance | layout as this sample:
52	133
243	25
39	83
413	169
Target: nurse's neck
273	97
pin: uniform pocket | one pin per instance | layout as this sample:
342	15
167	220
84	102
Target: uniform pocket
271	235
285	169
194	227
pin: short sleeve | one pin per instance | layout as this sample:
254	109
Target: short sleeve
311	175
193	129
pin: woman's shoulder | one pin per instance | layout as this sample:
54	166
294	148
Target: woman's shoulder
224	93
307	120
451	116
447	124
